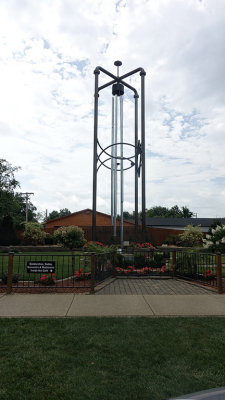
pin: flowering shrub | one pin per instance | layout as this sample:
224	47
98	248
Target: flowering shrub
80	275
34	234
142	245
208	275
70	236
141	271
215	239
98	247
192	236
48	279
99	243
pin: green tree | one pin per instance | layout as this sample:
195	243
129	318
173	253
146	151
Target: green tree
162	212
186	212
127	215
57	214
11	203
7	179
157	211
173	212
8	184
19	214
7	232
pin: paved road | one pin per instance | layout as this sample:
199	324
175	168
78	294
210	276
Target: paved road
152	286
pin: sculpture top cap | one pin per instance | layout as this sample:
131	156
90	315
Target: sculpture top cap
118	63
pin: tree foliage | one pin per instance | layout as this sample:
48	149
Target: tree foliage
7	179
158	211
173	212
13	204
57	214
7	232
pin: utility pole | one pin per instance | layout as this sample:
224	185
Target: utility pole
27	196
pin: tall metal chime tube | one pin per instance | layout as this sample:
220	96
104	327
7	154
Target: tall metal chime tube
112	165
121	170
115	163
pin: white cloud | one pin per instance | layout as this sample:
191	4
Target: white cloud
48	51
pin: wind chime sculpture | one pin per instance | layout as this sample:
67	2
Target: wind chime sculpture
114	153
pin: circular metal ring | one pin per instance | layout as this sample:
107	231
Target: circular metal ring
116	144
103	163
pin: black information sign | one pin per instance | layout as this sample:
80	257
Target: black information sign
41	267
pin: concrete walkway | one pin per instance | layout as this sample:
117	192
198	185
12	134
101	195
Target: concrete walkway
75	305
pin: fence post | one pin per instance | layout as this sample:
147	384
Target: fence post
113	264
219	273
174	262
10	272
92	289
73	262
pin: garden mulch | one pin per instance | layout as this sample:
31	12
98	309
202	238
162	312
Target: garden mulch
65	286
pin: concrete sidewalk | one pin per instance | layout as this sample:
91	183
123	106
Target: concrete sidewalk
80	305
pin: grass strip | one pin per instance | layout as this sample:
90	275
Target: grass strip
110	358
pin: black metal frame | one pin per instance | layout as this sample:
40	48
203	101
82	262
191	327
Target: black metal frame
139	146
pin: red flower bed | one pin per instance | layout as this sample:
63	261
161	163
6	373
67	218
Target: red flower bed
145	245
141	271
80	275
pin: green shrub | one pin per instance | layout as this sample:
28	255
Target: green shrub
49	239
172	240
159	260
4	278
139	261
187	264
71	237
192	236
8	232
33	233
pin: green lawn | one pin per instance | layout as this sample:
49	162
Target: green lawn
110	358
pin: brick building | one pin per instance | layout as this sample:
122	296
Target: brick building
83	219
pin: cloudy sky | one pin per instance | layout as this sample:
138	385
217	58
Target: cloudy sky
48	52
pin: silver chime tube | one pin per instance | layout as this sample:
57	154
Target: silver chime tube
112	166
121	170
115	163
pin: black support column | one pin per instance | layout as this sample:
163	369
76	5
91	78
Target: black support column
143	73
96	72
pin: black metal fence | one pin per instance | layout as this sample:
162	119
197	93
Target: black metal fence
203	268
83	271
104	266
143	262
